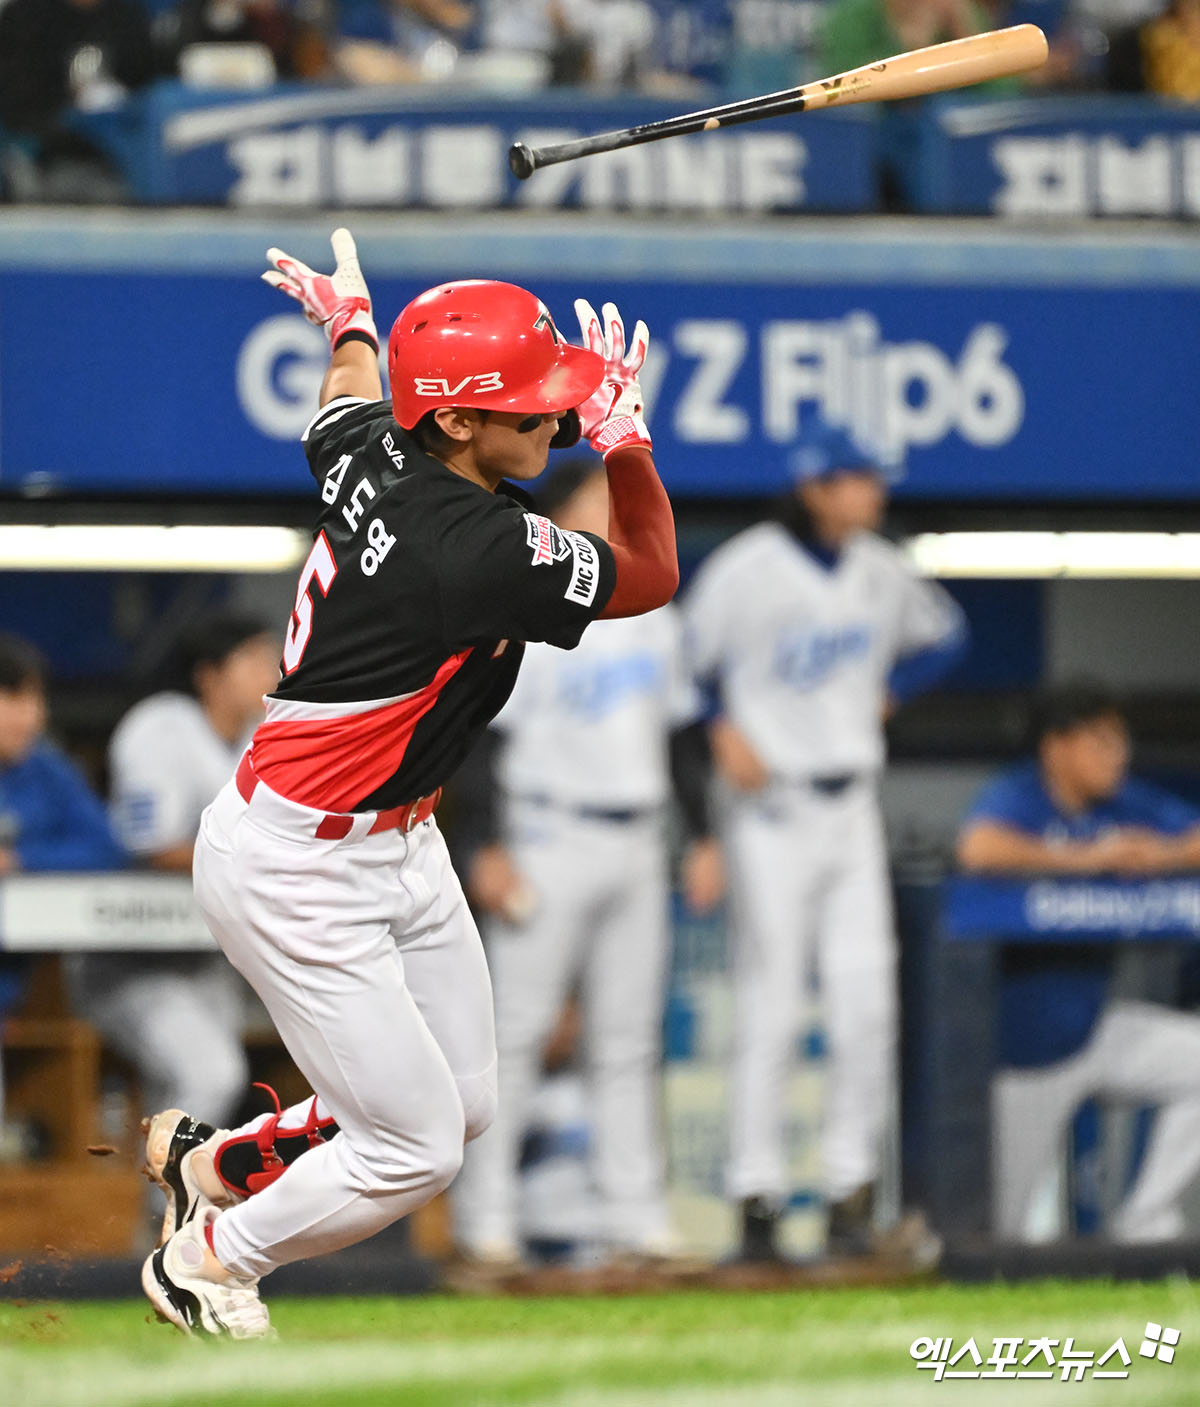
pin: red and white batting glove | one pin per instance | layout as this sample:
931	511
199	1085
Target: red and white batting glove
611	417
338	302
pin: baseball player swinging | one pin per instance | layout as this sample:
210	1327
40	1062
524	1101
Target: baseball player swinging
319	867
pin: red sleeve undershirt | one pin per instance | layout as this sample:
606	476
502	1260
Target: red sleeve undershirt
641	533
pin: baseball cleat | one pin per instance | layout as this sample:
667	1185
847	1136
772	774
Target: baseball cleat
188	1288
197	1165
483	1267
851	1223
250	1160
760	1233
179	1159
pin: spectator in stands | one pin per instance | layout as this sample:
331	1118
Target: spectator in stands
1110	17
399	41
1160	56
1065	1035
178	1017
517	43
617	42
49	818
56	57
290	32
544	30
606	44
858	32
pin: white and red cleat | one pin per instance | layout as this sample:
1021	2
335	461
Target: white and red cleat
189	1288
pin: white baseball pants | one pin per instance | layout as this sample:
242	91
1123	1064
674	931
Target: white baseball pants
1140	1053
365	955
601	921
810	896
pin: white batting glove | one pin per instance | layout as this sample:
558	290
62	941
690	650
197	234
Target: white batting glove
338	302
611	417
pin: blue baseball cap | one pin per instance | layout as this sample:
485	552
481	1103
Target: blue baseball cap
823	449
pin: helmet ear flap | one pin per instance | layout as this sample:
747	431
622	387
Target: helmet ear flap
568	430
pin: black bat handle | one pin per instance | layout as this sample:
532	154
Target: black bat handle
524	160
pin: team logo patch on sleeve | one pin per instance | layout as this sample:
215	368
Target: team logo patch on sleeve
548	543
585	571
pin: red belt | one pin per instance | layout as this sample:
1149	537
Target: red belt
336	825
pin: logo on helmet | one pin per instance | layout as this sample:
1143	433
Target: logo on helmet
484	345
545	320
439	386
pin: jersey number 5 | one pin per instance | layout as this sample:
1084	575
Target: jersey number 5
320	564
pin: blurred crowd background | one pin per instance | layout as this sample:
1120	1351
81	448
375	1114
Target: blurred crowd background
61	60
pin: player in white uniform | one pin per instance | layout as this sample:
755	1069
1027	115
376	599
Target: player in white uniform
798	625
178	1017
577	884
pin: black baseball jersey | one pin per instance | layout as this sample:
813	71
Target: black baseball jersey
410	617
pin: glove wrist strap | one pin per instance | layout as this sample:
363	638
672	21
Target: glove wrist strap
620	433
353	317
355	334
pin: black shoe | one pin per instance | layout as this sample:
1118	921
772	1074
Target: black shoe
851	1223
760	1233
248	1162
170	1136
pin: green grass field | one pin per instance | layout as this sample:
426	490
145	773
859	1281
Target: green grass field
828	1348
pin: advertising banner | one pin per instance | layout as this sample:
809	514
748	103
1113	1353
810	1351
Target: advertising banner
1054	909
1066	157
369	148
202	382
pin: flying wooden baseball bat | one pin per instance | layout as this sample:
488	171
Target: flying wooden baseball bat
934	69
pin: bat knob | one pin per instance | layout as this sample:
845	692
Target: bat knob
520	161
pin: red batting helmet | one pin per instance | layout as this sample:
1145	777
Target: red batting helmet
487	345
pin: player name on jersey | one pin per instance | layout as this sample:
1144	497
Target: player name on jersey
397	653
